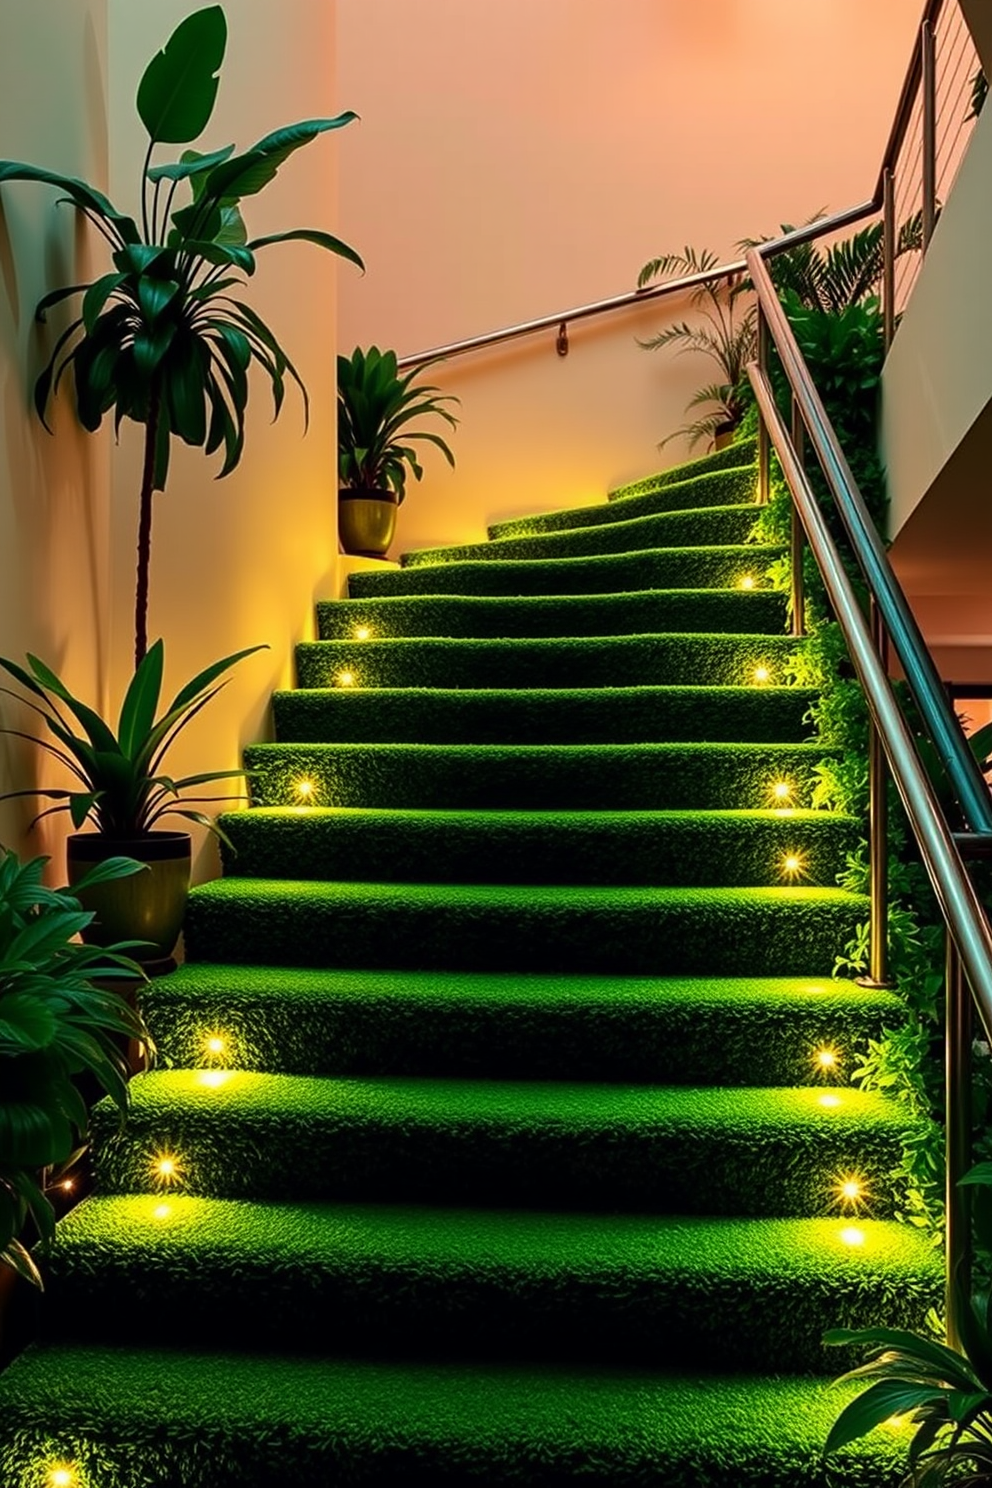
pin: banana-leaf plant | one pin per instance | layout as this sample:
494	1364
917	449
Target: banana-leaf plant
59	1019
121	784
159	338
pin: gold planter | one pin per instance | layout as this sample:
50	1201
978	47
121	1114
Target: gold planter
366	522
145	906
723	435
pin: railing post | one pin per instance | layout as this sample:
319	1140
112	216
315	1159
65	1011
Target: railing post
797	537
764	447
958	1133
889	246
878	830
929	56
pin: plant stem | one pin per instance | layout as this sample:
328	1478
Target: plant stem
145	523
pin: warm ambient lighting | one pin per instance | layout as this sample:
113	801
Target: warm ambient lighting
850	1191
362	632
68	1185
63	1475
345	679
213	1079
761	674
304	789
792	865
747	582
166	1167
826	1059
851	1235
829	1101
215	1044
782	792
162	1211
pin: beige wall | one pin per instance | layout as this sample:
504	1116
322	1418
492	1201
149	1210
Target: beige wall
54	555
518	158
235	562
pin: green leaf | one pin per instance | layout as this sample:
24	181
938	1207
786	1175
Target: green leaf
202	680
141	701
20	1260
876	1404
177	93
155	295
192	163
151	345
249	173
305	235
78	192
26	1023
97	296
222	254
107	871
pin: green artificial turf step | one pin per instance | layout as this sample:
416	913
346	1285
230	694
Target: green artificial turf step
547	715
678	849
721	566
418	1280
485	616
700	527
679	659
743	452
791	931
672	1031
570	777
731	486
122	1415
744	1152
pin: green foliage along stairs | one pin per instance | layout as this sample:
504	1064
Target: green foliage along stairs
490	1141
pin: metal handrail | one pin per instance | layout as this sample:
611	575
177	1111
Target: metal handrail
875	203
969	934
925	684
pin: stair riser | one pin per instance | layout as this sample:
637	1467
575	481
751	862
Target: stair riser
696	568
621	778
785	938
642	1040
716	488
707	610
633	661
552	716
688	529
644	1167
601	1316
693	853
741	452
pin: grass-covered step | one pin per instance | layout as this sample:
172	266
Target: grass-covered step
743	452
690	849
732	486
549	715
702	527
671	1031
419	1280
748	1152
677	659
719	567
531	927
570	777
493	616
120	1417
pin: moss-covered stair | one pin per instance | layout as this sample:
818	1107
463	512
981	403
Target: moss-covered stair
498	1145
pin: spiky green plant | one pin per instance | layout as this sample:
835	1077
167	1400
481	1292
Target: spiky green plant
159	339
376	405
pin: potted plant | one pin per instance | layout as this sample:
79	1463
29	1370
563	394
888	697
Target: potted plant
160	338
726	337
376	405
121	789
58	1020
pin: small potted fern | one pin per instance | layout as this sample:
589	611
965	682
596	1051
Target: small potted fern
376	447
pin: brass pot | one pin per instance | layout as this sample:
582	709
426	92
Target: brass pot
145	906
723	435
366	522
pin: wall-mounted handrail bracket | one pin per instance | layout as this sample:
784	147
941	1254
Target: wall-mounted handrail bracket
561	341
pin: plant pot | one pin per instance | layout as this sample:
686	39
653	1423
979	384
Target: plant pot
145	906
366	522
723	435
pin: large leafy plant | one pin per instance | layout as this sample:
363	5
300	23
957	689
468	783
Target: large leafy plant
726	335
121	785
58	1020
831	279
376	405
160	339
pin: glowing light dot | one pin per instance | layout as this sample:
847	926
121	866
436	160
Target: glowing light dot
761	674
829	1100
216	1045
162	1211
851	1235
167	1167
61	1477
362	632
345	679
747	582
826	1058
851	1189
68	1186
214	1079
304	789
792	865
781	790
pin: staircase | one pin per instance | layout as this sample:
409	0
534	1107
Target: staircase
500	1115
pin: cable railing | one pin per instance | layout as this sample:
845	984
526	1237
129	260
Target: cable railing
892	750
926	144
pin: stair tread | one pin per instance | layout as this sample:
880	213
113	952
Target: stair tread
508	896
731	485
236	1418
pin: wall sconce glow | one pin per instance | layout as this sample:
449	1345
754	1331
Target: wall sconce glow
761	675
62	1475
747	582
850	1191
851	1235
166	1168
792	865
362	632
345	679
304	790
